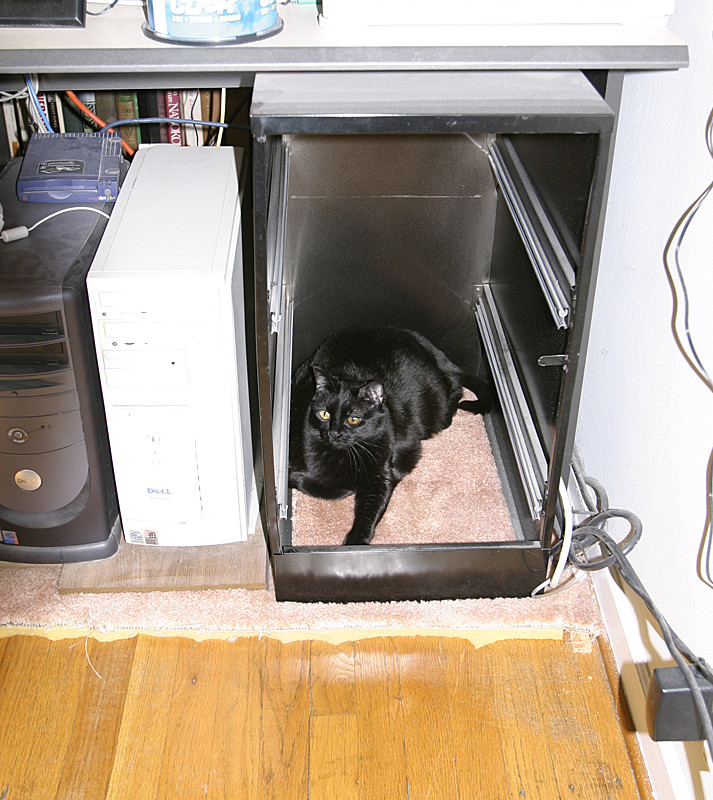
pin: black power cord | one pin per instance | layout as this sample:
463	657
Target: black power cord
613	555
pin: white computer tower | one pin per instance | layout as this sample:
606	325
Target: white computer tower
166	297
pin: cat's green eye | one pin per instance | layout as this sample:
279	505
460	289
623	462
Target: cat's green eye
353	420
323	414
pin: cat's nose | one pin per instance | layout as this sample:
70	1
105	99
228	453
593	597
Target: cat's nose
335	435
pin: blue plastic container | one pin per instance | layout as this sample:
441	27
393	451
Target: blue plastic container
212	21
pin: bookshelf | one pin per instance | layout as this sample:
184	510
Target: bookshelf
112	52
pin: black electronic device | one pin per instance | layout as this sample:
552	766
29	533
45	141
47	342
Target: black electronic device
43	13
57	496
70	167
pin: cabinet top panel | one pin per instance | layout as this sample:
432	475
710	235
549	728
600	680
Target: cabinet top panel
114	52
526	101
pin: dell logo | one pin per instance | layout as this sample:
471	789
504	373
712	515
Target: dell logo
149	490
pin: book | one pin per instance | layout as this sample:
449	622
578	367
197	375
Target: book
73	117
210	110
191	109
54	112
127	107
106	106
89	100
161	104
42	102
148	108
173	110
16	126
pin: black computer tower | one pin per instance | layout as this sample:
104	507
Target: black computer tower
57	496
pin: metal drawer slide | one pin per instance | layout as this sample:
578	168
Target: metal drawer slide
281	409
276	228
529	455
550	262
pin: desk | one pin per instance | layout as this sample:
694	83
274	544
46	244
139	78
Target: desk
112	51
560	155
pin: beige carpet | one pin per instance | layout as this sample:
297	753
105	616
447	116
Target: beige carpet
453	495
29	599
466	492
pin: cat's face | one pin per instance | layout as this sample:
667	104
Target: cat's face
346	415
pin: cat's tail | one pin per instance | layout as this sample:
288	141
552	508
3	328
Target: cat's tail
482	389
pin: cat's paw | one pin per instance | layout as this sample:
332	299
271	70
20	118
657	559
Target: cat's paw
356	537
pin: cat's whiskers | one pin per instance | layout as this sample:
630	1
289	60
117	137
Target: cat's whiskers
366	448
356	452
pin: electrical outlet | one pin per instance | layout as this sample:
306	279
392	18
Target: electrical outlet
670	712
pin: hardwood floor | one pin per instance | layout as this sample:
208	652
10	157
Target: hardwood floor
381	718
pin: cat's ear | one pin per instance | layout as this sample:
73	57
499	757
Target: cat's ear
321	380
373	392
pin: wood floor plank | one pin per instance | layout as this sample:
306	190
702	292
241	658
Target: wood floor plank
591	690
21	672
562	715
529	771
333	766
284	736
144	726
332	678
432	718
553	696
623	712
49	721
191	721
95	733
380	723
480	764
235	756
428	739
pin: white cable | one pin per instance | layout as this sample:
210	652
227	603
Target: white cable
22	232
8	97
33	105
554	583
65	211
566	536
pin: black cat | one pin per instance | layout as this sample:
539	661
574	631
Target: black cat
361	406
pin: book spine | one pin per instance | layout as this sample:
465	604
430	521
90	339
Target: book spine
106	106
90	101
126	109
191	108
73	118
42	102
53	112
206	113
61	125
161	106
173	111
148	108
14	140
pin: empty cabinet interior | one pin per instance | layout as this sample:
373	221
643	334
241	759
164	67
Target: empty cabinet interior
465	206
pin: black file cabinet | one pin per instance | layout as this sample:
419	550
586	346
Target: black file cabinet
467	206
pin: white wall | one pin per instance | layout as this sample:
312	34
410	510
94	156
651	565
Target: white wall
646	420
